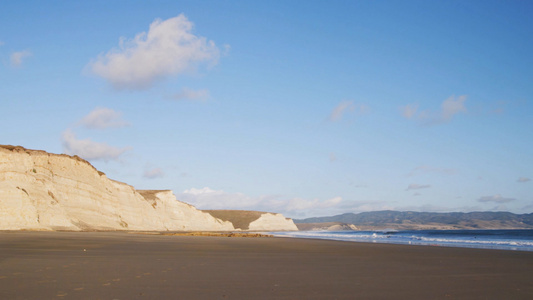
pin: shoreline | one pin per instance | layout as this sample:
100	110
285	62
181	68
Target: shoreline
120	265
495	239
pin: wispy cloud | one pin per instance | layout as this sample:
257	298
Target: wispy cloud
527	207
103	118
89	149
409	111
153	173
424	169
452	106
449	108
169	48
300	204
345	107
192	95
207	198
496	198
359	206
414	186
18	57
523	179
498	107
437	208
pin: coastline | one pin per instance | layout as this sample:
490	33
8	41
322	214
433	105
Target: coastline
120	265
501	239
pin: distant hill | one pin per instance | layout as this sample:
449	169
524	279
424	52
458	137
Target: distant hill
429	220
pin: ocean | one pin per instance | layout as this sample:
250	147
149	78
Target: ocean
520	240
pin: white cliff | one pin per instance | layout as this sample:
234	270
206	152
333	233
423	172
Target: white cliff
255	220
272	222
43	191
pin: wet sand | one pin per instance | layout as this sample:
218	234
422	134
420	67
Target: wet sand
97	265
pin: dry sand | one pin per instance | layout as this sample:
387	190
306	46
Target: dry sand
113	265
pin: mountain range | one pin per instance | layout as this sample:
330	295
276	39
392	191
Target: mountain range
423	220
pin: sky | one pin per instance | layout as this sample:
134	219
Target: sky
306	108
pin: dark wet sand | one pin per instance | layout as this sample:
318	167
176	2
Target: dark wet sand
54	265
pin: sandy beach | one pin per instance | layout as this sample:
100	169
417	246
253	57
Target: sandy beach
114	265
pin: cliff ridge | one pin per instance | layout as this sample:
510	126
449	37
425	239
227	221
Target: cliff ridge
44	191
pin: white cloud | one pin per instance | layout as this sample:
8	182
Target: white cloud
523	179
17	57
88	149
414	186
194	95
154	173
496	198
169	48
346	106
449	108
102	118
205	190
207	198
296	205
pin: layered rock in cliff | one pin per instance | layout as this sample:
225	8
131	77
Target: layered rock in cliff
254	220
43	191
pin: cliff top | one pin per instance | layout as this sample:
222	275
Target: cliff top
42	152
151	194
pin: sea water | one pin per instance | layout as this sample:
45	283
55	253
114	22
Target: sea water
521	240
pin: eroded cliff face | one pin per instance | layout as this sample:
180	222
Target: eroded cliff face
43	191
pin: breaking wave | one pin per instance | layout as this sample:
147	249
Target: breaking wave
490	239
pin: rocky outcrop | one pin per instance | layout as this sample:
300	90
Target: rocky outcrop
43	191
255	220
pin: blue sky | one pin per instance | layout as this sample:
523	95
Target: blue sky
307	108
